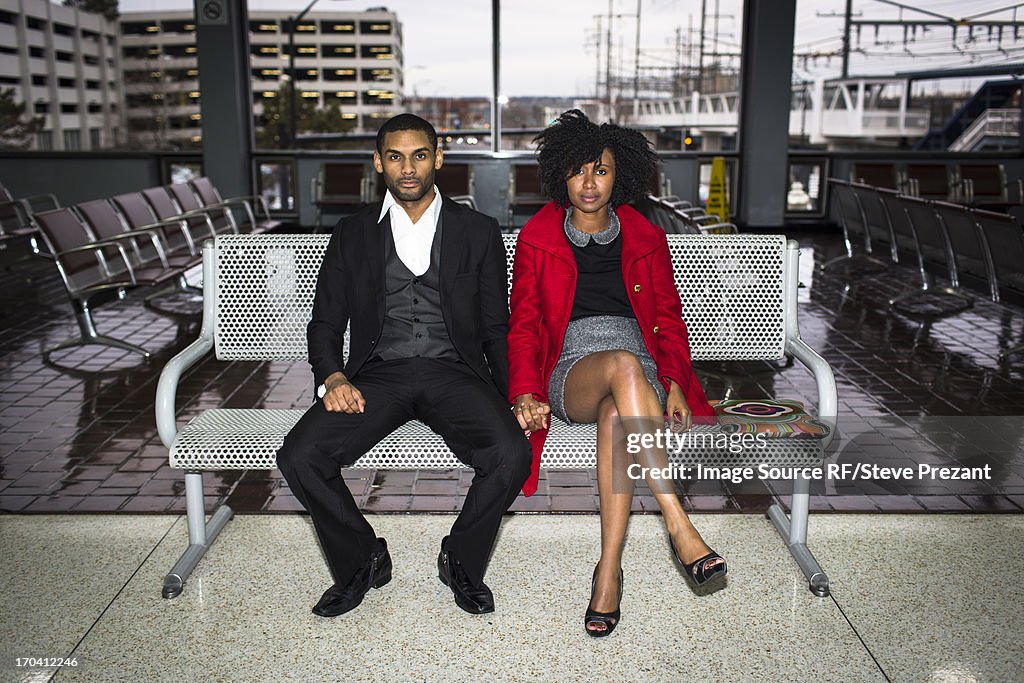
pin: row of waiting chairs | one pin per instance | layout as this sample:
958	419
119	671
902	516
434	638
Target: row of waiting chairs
150	239
16	216
678	216
962	240
980	185
340	187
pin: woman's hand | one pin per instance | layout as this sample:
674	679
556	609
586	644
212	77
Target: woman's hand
531	413
677	410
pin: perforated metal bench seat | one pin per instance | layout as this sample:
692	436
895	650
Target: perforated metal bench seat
248	438
739	301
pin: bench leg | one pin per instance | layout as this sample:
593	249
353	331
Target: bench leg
201	534
1009	352
89	335
793	530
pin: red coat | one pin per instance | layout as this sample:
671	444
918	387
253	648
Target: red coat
543	283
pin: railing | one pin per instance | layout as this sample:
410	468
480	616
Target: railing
1002	123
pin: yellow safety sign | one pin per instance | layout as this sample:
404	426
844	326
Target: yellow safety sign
718	199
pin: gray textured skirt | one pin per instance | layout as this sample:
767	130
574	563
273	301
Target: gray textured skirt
585	336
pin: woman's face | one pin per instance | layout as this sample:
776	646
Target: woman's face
590	188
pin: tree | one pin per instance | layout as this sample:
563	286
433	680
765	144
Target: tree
274	123
14	132
108	8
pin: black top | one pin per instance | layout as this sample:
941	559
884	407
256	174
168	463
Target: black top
600	289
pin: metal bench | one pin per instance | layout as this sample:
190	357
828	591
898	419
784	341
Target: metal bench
739	296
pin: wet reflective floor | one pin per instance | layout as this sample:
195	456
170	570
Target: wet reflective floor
915	389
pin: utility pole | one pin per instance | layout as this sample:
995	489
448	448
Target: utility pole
608	61
636	70
700	55
846	39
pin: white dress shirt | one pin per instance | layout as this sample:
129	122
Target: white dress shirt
412	240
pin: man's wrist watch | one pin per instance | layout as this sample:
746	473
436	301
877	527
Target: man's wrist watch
321	391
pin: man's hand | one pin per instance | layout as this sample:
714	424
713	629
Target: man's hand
342	396
677	409
531	413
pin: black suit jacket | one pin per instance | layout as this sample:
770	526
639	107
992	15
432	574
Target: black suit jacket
474	293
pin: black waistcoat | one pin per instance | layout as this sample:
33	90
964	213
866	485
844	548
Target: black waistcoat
413	322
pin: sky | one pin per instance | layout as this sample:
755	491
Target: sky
548	48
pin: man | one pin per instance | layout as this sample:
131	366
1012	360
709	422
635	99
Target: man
422	282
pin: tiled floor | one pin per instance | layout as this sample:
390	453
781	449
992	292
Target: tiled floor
81	437
905	606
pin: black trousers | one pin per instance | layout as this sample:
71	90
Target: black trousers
470	415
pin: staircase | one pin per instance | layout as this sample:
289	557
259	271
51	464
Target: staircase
991	95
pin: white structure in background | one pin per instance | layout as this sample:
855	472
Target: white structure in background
63	63
832	112
352	58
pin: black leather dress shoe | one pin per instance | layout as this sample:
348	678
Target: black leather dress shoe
374	573
473	599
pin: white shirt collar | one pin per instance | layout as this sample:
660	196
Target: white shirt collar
432	212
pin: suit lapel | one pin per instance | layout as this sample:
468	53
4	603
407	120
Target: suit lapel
451	239
375	257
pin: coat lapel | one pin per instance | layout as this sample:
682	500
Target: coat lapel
639	237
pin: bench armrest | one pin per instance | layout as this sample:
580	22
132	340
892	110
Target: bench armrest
258	198
167	388
717	228
226	204
100	246
828	398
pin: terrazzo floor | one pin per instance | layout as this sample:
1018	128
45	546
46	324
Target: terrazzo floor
915	598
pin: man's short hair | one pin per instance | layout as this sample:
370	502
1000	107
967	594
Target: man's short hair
406	122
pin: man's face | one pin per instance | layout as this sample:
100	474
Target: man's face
407	163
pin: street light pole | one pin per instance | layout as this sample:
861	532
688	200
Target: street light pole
294	109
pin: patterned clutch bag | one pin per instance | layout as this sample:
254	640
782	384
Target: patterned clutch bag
771	417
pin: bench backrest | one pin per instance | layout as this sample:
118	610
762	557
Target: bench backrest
733	289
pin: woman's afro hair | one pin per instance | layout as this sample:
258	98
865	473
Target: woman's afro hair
573	141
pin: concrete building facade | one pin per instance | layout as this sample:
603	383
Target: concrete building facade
64	64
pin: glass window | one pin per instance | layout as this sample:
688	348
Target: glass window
37	52
41	107
339	75
264	26
854	94
139	28
178	26
377	51
277	185
72	140
343	51
38	79
94	138
328	27
386	74
44	140
65	82
804	190
63	29
375	27
38	25
69	108
63	56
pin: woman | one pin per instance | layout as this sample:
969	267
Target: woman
596	333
